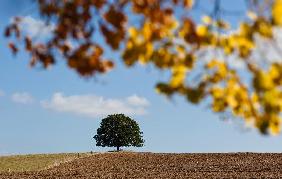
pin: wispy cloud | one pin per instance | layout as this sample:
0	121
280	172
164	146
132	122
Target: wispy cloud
137	101
96	106
2	93
3	152
36	27
23	98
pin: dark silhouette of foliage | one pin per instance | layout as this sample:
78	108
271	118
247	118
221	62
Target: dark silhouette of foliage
118	130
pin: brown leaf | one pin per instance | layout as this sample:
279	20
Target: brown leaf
28	44
116	18
98	3
113	38
8	32
13	47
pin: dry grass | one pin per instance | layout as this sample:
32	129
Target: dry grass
35	162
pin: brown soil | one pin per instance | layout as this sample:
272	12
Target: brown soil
157	165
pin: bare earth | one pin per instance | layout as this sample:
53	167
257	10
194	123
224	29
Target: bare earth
157	165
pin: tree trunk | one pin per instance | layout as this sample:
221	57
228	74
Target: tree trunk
117	148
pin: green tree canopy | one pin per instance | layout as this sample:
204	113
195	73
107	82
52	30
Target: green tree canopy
118	130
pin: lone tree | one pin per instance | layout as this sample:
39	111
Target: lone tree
118	130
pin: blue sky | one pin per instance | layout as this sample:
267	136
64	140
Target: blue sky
28	97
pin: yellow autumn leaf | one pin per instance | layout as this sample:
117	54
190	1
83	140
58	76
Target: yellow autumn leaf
274	72
133	32
145	56
213	63
178	75
244	42
277	12
219	105
272	98
217	92
274	125
202	30
129	44
245	30
188	3
262	81
264	28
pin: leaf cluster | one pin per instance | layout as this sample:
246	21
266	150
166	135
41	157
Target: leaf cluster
168	41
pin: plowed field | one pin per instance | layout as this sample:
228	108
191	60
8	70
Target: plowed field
158	165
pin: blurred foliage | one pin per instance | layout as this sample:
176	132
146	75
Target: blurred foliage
170	40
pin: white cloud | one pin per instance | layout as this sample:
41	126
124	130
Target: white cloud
23	98
96	106
137	101
36	27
